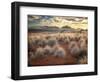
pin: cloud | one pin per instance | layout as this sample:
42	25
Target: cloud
36	17
59	21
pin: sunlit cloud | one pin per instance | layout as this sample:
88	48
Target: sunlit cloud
59	21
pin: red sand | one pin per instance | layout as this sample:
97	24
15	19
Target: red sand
51	60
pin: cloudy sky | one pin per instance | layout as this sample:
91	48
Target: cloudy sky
58	21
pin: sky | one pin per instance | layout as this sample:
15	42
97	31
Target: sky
58	21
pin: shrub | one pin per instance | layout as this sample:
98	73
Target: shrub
39	52
48	50
52	41
42	42
59	52
83	60
74	48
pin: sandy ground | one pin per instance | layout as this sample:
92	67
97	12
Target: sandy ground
51	60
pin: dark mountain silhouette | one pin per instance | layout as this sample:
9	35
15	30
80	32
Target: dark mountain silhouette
54	29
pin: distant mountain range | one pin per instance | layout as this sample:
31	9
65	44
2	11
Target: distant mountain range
54	29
